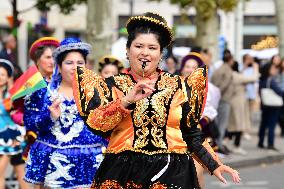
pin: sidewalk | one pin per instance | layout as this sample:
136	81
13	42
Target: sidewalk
256	156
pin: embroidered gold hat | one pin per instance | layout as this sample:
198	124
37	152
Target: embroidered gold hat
109	59
152	20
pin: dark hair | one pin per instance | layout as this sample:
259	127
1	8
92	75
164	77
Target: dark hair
273	57
40	50
265	71
226	51
102	66
6	68
174	59
235	66
227	58
63	55
245	56
205	51
196	49
145	30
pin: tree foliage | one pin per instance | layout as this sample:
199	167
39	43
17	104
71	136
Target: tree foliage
207	8
66	6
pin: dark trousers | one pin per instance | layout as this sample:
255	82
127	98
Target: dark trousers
237	135
281	121
269	119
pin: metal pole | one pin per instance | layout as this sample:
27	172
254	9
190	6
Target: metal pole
15	26
131	4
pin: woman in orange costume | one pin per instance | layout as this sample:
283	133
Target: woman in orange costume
152	116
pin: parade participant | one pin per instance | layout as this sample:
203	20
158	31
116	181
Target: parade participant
10	135
152	116
189	63
65	154
8	53
41	53
109	66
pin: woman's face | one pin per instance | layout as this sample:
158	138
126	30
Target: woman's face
189	66
109	70
45	63
276	60
3	77
171	65
69	65
273	70
144	48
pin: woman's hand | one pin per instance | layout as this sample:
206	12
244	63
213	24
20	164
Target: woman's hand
136	94
223	168
54	109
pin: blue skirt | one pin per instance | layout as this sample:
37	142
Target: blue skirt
62	168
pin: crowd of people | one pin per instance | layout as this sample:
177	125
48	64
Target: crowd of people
237	90
136	127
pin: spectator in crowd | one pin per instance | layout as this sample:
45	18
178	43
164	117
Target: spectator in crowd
223	78
251	91
190	63
8	53
239	114
172	64
270	114
280	80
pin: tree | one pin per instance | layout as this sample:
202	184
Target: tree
279	5
99	27
65	6
206	19
99	21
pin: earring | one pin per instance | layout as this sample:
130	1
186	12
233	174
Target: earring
127	57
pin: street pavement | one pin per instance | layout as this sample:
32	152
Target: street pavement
265	176
255	155
258	158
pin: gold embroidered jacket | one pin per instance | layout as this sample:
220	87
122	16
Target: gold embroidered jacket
165	122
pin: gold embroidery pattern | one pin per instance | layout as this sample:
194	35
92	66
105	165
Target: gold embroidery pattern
108	184
197	82
124	83
168	85
163	151
113	184
141	120
105	118
158	185
91	81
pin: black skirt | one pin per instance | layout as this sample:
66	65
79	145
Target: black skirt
137	170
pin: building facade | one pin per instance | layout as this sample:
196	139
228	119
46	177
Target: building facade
241	28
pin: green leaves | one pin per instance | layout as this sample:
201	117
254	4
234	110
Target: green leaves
206	8
66	6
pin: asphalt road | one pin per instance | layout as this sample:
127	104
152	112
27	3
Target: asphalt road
260	177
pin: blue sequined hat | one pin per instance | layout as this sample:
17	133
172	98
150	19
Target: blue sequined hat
71	44
66	45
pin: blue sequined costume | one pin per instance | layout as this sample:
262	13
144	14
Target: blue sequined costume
66	154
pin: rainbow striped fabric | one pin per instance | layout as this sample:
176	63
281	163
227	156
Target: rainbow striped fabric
28	83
